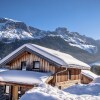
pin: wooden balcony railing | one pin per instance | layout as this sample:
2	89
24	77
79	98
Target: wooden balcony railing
68	83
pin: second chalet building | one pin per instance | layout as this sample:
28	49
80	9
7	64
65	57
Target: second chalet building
31	64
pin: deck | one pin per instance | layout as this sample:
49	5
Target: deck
65	84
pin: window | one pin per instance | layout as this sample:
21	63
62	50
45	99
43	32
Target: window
36	65
69	74
7	89
23	65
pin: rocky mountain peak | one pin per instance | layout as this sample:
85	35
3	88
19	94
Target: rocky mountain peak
11	30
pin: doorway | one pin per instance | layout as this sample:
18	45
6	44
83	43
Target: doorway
23	65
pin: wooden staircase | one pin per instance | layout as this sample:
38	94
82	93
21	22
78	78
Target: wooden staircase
49	79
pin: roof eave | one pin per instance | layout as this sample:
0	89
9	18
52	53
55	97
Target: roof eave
25	48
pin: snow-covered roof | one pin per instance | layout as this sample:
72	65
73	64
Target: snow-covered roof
96	80
60	58
89	74
23	77
3	69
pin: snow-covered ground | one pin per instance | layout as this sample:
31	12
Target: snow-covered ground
96	80
76	92
44	92
3	69
88	90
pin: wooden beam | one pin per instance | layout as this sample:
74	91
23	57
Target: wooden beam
14	92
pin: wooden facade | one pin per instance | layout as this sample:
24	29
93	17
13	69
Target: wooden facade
45	66
60	76
85	79
15	90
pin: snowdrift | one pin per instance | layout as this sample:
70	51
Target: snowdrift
76	92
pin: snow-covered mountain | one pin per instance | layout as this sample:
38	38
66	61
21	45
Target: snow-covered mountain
11	30
74	39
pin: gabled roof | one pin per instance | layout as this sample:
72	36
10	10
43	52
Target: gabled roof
89	74
53	56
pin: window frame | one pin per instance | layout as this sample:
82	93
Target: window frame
34	66
7	91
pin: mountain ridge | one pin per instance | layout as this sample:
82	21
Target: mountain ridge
13	32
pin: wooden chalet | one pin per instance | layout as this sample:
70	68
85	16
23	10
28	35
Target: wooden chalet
60	69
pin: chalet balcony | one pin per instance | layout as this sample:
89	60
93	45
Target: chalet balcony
68	83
